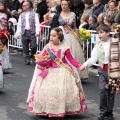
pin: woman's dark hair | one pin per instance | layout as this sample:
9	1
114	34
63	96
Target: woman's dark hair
103	27
88	2
60	33
69	3
5	10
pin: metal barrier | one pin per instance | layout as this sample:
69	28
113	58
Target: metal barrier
43	39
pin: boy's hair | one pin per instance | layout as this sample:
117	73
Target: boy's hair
104	28
59	32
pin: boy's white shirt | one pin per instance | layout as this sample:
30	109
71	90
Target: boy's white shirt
94	54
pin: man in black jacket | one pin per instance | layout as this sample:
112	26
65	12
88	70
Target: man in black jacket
14	5
42	9
98	7
78	10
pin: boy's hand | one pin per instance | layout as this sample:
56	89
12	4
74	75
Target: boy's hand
83	67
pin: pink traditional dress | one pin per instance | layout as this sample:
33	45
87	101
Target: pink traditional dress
54	92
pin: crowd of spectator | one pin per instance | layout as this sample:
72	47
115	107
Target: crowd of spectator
89	13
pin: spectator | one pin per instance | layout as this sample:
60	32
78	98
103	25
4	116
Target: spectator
100	18
58	5
98	7
78	10
35	6
7	2
112	8
117	18
88	7
109	20
14	5
92	21
42	9
84	21
106	5
14	14
114	27
52	6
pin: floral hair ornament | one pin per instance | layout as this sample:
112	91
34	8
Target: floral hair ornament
60	32
84	34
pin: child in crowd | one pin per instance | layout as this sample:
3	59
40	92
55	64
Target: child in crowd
84	21
102	53
109	20
56	90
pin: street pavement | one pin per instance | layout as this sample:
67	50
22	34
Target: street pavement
13	97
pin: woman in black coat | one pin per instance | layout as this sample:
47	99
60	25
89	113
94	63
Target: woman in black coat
14	5
42	9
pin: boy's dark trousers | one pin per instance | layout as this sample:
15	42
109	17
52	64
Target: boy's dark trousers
28	38
106	98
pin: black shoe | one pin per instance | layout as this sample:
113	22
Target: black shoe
110	117
102	116
27	62
33	60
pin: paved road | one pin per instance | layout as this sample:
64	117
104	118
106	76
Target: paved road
13	97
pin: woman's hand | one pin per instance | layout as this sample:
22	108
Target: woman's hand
40	67
83	67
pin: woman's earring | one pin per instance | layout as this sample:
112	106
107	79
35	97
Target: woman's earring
59	41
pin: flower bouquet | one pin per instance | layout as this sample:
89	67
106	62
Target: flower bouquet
4	34
43	61
84	34
1	47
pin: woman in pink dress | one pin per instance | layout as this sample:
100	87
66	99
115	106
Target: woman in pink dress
56	88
